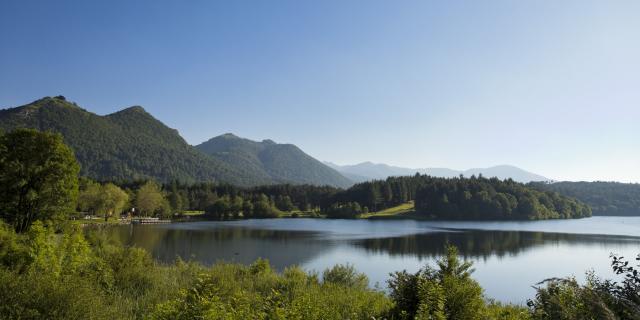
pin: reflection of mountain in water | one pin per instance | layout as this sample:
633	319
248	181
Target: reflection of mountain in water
483	243
242	245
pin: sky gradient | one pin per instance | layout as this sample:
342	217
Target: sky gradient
549	86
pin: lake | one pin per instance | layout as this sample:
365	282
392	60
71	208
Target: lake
509	257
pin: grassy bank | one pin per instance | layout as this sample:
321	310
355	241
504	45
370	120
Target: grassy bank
399	211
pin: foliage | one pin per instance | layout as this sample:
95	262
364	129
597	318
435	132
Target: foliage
72	276
481	198
347	210
150	200
433	198
107	200
345	275
38	178
256	292
76	275
566	299
447	292
48	275
456	198
597	299
604	198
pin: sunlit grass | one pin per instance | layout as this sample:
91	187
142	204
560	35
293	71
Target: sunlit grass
404	208
192	212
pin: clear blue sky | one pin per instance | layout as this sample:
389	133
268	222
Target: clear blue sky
550	86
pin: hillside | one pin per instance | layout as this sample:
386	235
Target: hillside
282	163
367	171
604	198
129	144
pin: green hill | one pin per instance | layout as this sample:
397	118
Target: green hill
129	144
283	163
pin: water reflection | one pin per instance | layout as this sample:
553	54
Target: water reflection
287	242
237	244
509	257
483	244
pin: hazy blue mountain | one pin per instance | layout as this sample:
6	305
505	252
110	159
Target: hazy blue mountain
506	171
282	163
368	171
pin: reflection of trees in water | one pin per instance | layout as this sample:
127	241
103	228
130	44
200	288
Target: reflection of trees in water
243	245
482	243
284	248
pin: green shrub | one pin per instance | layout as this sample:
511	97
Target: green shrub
231	291
566	299
447	292
347	276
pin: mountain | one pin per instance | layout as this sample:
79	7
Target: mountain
368	171
131	144
282	163
506	171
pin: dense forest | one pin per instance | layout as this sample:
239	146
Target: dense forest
435	198
604	198
221	201
481	198
457	198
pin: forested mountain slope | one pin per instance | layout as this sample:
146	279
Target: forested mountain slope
131	144
282	163
126	145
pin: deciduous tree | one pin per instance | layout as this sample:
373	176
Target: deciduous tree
38	178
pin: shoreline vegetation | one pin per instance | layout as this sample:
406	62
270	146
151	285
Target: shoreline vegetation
51	272
417	197
50	268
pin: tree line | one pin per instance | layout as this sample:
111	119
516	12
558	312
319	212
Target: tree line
604	198
475	198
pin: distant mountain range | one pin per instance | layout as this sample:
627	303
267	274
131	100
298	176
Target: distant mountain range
131	144
368	171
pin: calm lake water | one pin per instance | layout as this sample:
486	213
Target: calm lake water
509	257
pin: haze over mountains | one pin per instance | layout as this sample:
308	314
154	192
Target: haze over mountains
368	170
131	144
